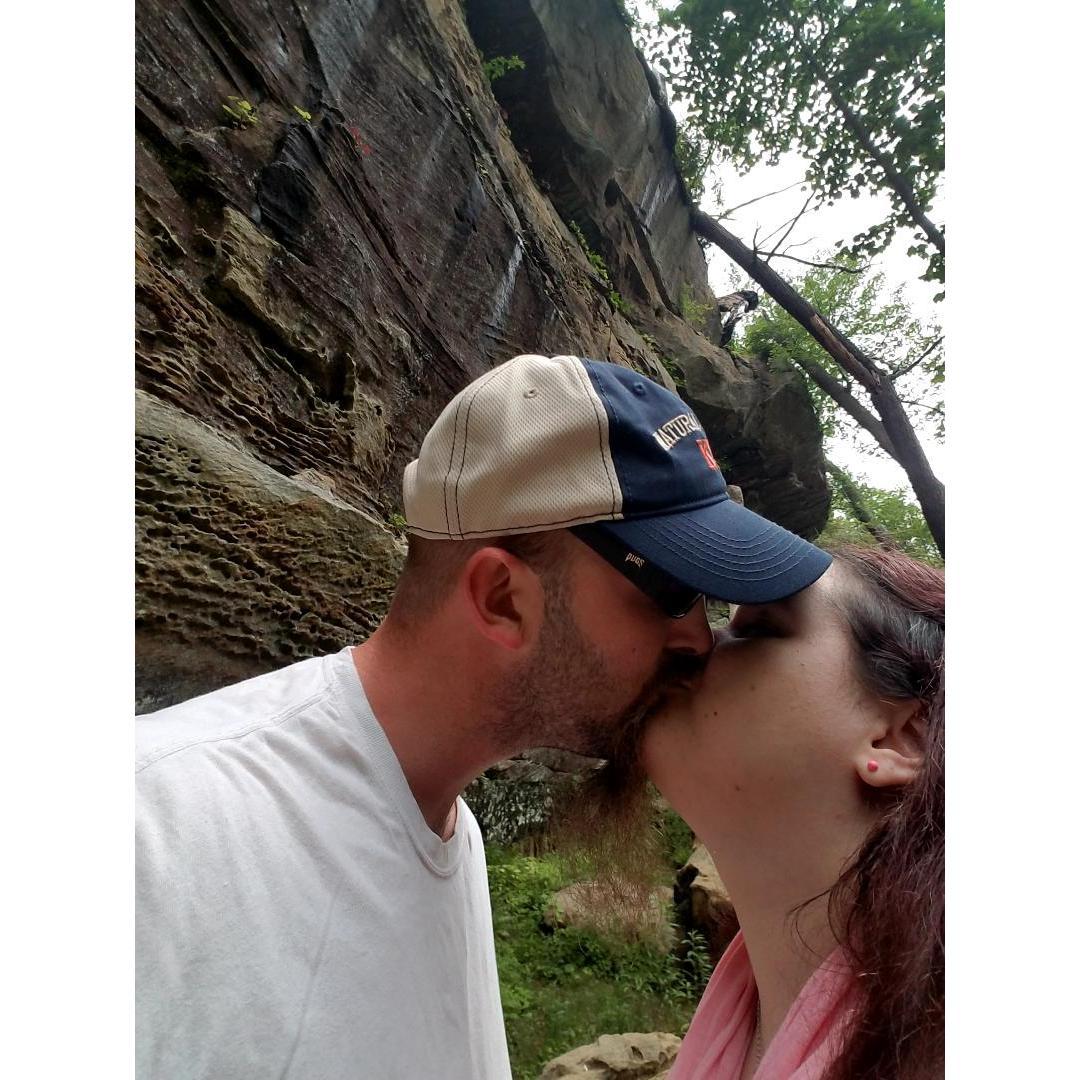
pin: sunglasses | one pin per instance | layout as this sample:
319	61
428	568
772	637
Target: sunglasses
674	599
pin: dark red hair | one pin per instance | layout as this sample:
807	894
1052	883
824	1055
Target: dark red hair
888	908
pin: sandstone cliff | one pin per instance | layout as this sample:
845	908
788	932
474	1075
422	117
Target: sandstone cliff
338	225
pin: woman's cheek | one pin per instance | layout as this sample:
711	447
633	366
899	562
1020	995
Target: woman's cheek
663	745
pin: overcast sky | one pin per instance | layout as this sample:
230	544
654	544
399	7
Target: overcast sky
818	230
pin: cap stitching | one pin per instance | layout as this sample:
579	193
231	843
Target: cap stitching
599	427
583	519
450	464
501	369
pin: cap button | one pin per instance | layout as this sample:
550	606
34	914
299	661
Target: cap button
639	389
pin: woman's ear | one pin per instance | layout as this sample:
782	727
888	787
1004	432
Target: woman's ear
504	597
895	756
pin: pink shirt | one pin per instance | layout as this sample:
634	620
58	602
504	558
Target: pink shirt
723	1026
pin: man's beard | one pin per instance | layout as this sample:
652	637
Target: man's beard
610	820
563	699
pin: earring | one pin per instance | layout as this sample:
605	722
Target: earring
872	766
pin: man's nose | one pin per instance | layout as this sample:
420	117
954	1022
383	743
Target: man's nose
691	633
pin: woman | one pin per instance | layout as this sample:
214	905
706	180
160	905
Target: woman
811	764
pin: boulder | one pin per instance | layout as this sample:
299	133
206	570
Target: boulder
703	902
633	1056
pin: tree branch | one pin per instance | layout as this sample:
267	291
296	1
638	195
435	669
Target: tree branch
900	372
851	492
750	202
935	409
898	183
848	402
822	265
794	221
907	450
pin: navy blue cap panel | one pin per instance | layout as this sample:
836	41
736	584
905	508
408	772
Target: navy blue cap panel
661	454
725	551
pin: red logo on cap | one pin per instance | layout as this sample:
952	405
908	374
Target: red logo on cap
706	453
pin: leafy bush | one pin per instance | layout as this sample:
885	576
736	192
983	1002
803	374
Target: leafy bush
693	155
564	988
678	839
893	510
240	113
597	263
690	309
595	260
498	66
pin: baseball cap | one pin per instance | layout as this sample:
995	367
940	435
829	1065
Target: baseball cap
561	442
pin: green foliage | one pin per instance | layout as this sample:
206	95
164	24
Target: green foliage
677	837
398	523
669	365
302	113
628	18
597	263
764	77
693	155
690	309
883	326
241	113
892	509
595	260
673	369
564	988
498	66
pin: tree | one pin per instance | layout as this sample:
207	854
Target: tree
883	326
855	86
889	422
863	514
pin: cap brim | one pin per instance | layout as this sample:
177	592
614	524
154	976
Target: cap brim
725	551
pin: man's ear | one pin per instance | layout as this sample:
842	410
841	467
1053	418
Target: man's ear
504	596
897	745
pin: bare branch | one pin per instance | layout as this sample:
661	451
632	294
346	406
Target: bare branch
894	375
822	265
935	409
750	202
789	225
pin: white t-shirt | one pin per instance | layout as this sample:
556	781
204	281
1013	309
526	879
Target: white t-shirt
295	915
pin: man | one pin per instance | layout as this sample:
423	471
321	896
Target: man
312	895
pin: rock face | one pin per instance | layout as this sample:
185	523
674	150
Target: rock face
242	565
703	902
618	1057
335	231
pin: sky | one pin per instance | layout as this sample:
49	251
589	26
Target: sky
818	230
